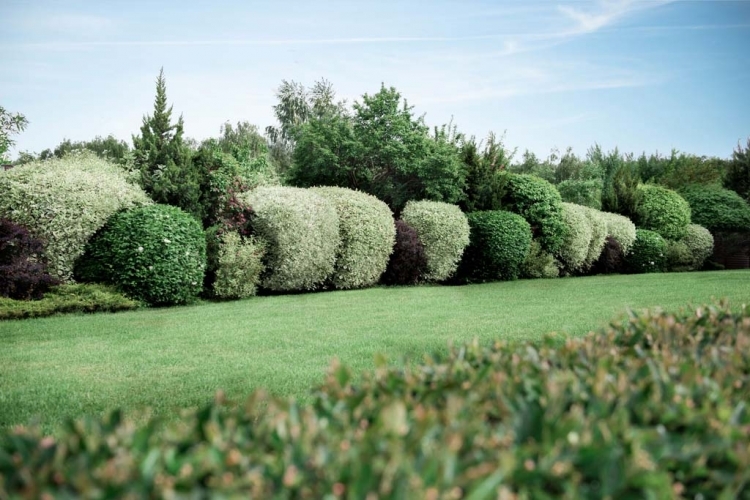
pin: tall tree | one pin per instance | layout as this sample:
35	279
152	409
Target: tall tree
738	171
10	124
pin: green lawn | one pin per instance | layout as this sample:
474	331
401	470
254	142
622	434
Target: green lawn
165	359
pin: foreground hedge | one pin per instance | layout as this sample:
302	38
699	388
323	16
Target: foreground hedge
653	407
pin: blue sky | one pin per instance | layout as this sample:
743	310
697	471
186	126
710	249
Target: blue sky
641	75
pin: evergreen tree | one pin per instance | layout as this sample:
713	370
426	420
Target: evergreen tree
738	174
164	160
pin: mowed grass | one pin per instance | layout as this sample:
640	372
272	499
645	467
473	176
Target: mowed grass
167	359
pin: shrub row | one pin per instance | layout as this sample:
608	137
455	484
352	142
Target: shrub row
76	298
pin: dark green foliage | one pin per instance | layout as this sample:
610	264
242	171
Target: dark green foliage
662	210
78	298
648	254
679	256
655	406
582	192
680	170
109	148
156	254
23	271
611	260
717	209
738	171
537	201
408	260
620	194
499	244
531	165
484	185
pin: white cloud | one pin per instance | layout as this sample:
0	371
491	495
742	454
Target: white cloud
604	13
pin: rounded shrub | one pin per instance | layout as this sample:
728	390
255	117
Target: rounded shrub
499	245
408	261
648	254
575	246
582	192
620	228
598	237
155	253
367	232
537	201
443	230
662	210
65	201
539	264
679	257
718	209
700	243
301	232
235	264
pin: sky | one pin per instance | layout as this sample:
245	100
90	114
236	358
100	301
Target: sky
641	75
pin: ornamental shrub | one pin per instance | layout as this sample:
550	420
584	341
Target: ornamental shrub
662	210
620	228
238	266
23	272
718	209
679	256
155	253
700	243
612	259
537	201
499	244
648	254
65	201
598	237
443	230
578	235
408	261
301	232
65	299
582	192
367	232
539	264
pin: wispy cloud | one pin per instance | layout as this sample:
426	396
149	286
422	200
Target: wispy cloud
604	13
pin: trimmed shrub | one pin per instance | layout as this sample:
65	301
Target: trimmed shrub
620	228
443	230
23	272
612	259
539	264
700	243
537	201
718	209
648	254
301	232
65	201
662	210
582	192
156	254
238	266
367	232
408	260
499	244
578	235
598	237
679	257
76	298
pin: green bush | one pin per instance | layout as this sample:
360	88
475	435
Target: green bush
65	201
700	243
648	253
76	298
679	256
620	228
598	237
717	209
575	247
662	210
653	407
156	254
301	231
499	244
582	192
367	232
443	230
539	264
537	201
239	264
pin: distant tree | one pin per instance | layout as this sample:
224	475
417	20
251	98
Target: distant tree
530	164
10	124
483	161
738	171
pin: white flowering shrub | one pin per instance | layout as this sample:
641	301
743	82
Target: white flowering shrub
700	243
598	236
620	228
444	230
65	201
301	232
368	233
238	267
574	251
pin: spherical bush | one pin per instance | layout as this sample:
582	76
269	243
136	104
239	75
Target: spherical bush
718	209
662	210
578	235
301	232
408	261
620	228
367	232
499	244
648	254
155	253
700	243
443	230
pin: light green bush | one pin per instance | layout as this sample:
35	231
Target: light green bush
368	233
662	210
65	201
301	231
598	237
539	264
238	267
443	230
620	228
700	243
575	247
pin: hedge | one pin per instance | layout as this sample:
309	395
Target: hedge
238	267
575	247
598	237
539	264
620	228
301	232
662	210
582	192
718	209
66	299
443	230
367	232
65	201
648	254
653	407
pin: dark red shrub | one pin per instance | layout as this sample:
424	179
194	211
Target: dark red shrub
23	272
612	259
408	260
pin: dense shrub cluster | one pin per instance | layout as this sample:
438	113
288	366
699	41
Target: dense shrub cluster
582	192
653	407
443	230
23	272
499	244
239	264
578	235
621	229
648	254
75	298
301	231
718	209
408	261
155	253
539	264
65	201
662	210
367	232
